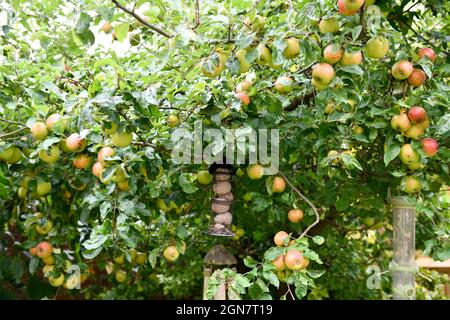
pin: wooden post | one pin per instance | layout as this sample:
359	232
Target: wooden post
404	264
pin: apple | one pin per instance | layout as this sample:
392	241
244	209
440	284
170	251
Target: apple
401	122
329	108
49	260
411	185
44	226
141	258
283	85
430	147
417	115
353	5
39	130
377	47
255	171
107	27
105	152
279	263
351	58
33	251
22	192
417	78
415	132
278	185
171	253
172	121
204	177
427	52
408	155
112	128
295	216
322	75
122	139
56	282
47	269
43	188
244	65
51	120
7	153
73	281
97	169
17	155
368	3
344	10
280	237
81	161
264	55
424	124
243	97
120	276
119	259
401	70
333	54
243	86
75	143
357	130
329	25
416	166
292	49
123	185
51	155
294	260
44	249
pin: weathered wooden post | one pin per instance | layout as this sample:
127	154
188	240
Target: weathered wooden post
404	264
217	258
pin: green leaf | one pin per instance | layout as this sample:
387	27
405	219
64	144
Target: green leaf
353	70
319	240
187	186
250	262
391	153
34	263
152	256
121	31
273	253
340	117
443	125
301	291
350	161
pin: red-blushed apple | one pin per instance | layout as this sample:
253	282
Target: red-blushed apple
417	114
44	249
408	155
255	171
278	185
75	143
279	263
39	130
283	85
105	152
171	253
377	47
411	185
427	52
417	78
400	122
345	11
243	97
295	216
329	25
351	58
401	70
425	124
292	48
51	120
430	147
82	161
353	5
279	238
333	54
33	251
97	169
322	75
294	260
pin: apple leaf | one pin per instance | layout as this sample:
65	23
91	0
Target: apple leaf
391	153
121	31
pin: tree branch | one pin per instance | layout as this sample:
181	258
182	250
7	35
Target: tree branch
299	101
307	201
12	122
13	133
197	14
141	20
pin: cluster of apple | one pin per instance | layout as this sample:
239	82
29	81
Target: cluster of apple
292	260
413	125
44	250
256	172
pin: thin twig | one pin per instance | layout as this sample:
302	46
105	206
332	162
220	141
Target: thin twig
141	20
197	14
13	133
307	201
73	81
12	122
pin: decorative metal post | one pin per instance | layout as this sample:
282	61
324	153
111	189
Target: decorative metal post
404	264
217	258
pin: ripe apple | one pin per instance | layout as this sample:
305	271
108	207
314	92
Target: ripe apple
280	238
51	155
427	52
377	47
357	130
353	5
425	124
7	153
43	188
329	25
416	166
82	161
122	139
204	177
172	121
119	259
351	58
322	75
408	155
105	152
401	70
243	97
107	27
141	258
241	55
430	147
411	185
415	132
400	122
56	282
244	85
279	263
44	249
417	114
75	143
44	226
283	84
278	185
72	281
264	55
294	260
333	54
255	171
39	130
17	155
97	169
417	78
171	253
22	192
292	49
47	269
33	251
49	260
344	10
295	216
120	276
51	120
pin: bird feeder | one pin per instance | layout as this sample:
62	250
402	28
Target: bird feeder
217	258
222	199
